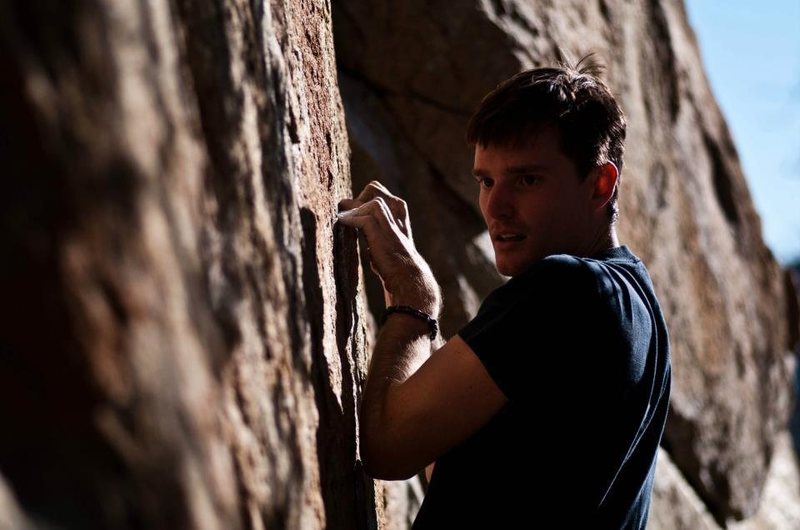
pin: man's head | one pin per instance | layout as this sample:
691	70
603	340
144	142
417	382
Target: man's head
561	128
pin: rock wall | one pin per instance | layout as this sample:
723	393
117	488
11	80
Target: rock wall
181	327
412	72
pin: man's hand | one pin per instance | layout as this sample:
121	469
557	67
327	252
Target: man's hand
384	221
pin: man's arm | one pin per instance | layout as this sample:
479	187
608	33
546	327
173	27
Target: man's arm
414	407
428	471
409	418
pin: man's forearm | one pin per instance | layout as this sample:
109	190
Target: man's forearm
402	346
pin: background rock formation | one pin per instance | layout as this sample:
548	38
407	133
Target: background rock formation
183	331
412	72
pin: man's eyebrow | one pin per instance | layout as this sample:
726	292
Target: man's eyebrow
515	170
527	168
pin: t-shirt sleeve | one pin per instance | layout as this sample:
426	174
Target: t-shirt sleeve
530	329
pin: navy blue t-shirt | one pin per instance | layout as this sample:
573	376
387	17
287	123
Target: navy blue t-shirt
580	348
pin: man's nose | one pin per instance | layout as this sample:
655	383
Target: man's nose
500	203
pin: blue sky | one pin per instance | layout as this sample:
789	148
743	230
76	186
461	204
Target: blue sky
751	52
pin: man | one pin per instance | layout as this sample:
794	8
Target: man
547	409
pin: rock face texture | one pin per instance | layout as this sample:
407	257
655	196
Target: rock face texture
412	72
183	328
677	506
181	332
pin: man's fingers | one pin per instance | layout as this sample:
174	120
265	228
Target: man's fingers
396	206
352	218
349	204
372	190
375	211
376	190
381	210
383	237
367	224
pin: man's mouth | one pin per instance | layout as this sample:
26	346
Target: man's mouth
509	237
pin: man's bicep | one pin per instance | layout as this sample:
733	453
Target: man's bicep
448	399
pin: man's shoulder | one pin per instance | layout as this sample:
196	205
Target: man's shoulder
554	280
600	269
559	270
554	265
600	277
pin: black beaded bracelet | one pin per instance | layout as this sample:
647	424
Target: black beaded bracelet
408	310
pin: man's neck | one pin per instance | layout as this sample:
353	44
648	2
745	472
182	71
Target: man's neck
605	240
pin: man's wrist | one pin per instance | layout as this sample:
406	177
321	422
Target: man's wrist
431	323
415	287
428	303
423	294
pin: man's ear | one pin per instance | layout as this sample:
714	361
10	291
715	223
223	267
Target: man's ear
605	182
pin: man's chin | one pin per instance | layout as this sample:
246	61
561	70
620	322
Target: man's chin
507	269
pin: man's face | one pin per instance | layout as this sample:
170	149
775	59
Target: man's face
533	201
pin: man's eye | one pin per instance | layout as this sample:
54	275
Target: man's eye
529	180
485	182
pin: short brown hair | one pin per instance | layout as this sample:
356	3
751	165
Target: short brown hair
572	98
